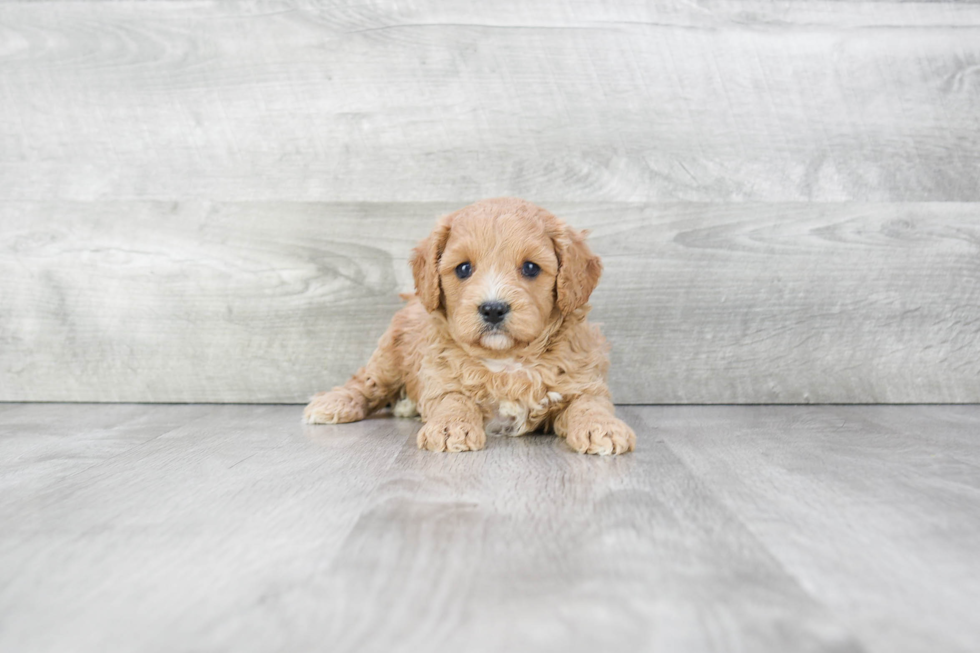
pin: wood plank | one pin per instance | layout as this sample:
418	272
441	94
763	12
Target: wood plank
529	546
235	532
703	303
173	544
730	529
561	101
847	303
44	444
874	510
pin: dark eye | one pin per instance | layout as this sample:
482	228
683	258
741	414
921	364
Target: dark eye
464	270
530	270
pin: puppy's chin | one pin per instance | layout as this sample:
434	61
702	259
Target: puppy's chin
496	341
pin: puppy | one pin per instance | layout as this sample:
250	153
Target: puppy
495	340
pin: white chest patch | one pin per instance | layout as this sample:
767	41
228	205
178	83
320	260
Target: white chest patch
405	407
517	417
514	418
509	418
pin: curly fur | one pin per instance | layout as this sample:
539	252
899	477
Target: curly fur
543	368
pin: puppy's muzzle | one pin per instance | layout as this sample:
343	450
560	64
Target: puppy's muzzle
493	313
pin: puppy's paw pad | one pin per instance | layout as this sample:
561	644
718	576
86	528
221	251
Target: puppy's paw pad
602	436
334	407
452	436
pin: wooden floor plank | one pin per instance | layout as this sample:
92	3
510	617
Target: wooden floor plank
874	509
44	444
754	528
529	546
172	543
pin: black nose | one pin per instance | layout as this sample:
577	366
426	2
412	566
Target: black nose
494	312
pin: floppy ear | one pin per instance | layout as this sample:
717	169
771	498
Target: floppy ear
578	269
425	265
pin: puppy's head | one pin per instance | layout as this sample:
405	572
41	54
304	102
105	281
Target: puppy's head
502	270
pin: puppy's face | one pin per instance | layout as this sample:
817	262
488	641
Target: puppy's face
502	271
498	280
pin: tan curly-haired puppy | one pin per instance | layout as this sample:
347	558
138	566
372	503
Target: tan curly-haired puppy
495	340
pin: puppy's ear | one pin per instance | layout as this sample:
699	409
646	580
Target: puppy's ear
425	265
578	269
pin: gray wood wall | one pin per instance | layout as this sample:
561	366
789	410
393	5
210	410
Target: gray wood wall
215	201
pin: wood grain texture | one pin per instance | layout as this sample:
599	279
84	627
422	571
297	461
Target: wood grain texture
187	526
703	303
46	444
216	528
628	553
569	100
214	201
864	506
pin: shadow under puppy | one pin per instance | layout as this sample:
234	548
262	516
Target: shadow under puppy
495	340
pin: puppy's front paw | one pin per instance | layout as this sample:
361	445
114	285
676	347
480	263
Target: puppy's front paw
335	407
451	435
601	435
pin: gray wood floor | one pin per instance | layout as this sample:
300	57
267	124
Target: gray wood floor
233	527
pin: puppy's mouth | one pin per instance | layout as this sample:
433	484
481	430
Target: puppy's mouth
495	337
496	340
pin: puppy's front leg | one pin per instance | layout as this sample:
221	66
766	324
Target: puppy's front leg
452	423
368	390
589	426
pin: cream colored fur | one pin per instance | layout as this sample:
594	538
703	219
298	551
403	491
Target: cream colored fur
544	368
